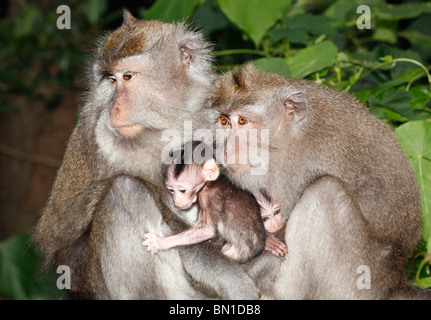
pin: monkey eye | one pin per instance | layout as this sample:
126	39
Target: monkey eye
265	219
183	191
111	78
276	212
242	121
170	190
127	76
224	121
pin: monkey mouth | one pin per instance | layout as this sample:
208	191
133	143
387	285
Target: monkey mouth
129	130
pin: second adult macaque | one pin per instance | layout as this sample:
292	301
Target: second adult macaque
348	193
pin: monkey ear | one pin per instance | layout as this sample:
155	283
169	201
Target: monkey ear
210	170
295	106
186	56
128	18
243	77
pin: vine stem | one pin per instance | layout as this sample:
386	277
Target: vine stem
418	64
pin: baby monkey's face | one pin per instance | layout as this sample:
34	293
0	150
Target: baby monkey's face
186	186
184	193
271	218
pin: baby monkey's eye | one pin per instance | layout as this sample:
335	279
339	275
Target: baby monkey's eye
276	212
265	219
242	121
183	191
224	121
170	190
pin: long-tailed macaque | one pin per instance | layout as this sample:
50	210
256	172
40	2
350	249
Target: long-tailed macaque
224	210
147	76
347	190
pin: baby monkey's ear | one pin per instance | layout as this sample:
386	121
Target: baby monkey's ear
210	170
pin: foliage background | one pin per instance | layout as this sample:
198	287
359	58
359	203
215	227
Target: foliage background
41	67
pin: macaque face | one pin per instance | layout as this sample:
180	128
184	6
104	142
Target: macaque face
269	210
136	94
271	219
237	146
125	84
143	71
186	186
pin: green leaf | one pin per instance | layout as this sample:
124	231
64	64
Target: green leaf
313	24
275	65
398	101
385	34
415	139
420	97
401	11
294	36
340	8
94	9
312	59
209	18
171	10
254	17
382	50
423	283
417	38
19	275
18	264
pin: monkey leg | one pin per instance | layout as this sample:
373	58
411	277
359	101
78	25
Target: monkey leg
331	254
234	252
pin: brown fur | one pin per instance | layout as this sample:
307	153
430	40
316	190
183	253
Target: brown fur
109	192
338	137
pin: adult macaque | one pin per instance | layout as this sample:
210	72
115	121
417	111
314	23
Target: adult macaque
147	76
349	192
224	210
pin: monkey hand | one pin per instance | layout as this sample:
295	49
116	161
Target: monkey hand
275	246
154	242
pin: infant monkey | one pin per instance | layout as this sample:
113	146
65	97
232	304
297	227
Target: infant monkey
270	212
224	210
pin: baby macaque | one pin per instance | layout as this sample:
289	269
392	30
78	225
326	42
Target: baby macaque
270	212
224	210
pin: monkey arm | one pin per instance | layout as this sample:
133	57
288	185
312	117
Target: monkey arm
209	267
193	235
74	197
